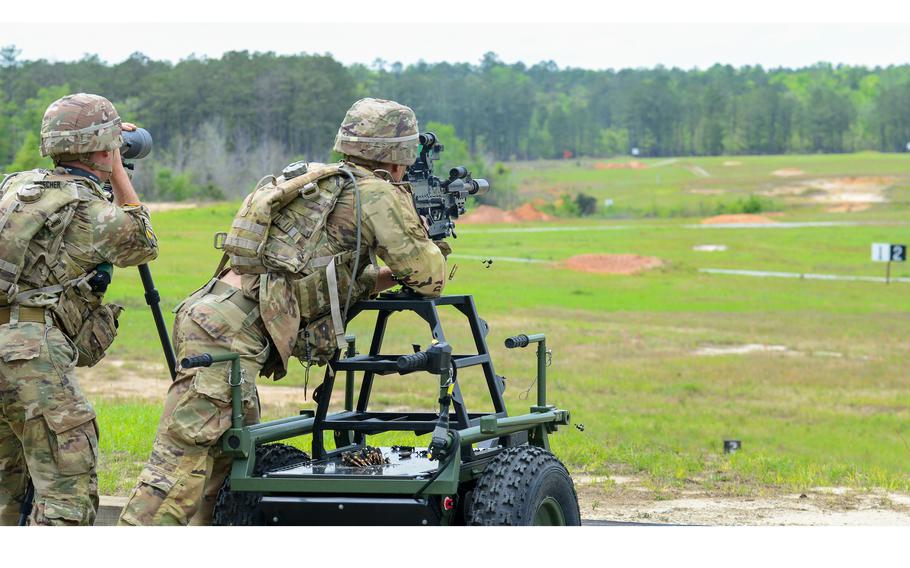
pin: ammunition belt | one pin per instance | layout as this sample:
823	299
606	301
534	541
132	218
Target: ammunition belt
35	315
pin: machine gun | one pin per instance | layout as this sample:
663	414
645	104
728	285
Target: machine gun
440	201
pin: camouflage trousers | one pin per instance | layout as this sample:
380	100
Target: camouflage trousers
48	430
180	482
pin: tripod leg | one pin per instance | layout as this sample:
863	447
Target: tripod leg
153	299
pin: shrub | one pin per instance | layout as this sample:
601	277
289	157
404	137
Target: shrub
752	205
586	204
174	187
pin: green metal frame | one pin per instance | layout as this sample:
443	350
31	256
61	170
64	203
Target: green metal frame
240	441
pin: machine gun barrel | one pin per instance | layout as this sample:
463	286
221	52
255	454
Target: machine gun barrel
440	201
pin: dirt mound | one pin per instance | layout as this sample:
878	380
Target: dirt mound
732	163
788	172
842	190
493	215
738	218
488	214
633	165
527	212
612	263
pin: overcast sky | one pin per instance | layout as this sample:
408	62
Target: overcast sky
592	46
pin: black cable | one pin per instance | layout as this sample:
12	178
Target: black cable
456	443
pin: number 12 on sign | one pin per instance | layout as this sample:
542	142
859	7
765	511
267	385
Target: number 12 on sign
886	252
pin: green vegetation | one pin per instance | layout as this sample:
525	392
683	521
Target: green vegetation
226	120
828	404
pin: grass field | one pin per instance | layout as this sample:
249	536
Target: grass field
828	404
696	186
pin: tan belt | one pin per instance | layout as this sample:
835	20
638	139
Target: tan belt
35	315
238	299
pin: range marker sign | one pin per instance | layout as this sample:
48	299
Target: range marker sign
884	252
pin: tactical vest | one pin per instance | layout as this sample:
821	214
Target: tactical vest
34	201
36	207
275	231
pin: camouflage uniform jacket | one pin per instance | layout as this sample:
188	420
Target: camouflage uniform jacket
390	229
98	232
37	359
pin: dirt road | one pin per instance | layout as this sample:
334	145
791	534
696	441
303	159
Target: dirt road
627	501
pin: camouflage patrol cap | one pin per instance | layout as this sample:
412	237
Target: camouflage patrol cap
80	124
380	131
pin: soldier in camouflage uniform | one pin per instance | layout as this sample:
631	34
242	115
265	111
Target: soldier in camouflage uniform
269	315
58	230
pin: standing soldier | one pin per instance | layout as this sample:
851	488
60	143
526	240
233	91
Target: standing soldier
295	246
59	234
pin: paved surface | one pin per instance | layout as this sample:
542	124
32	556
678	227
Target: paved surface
109	511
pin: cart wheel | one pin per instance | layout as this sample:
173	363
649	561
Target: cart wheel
524	485
240	508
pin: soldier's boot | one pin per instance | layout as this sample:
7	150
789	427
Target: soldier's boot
13	476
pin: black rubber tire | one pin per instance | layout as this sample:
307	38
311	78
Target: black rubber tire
241	508
518	485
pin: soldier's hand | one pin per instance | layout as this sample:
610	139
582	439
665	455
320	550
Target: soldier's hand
128	126
116	160
444	247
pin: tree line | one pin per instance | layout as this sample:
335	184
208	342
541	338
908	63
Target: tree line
226	120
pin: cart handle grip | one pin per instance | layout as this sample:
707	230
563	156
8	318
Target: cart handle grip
523	340
204	360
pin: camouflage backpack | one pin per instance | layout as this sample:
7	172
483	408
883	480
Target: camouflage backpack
41	200
275	231
36	207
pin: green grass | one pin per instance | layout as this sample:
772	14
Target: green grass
833	410
673	188
127	432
